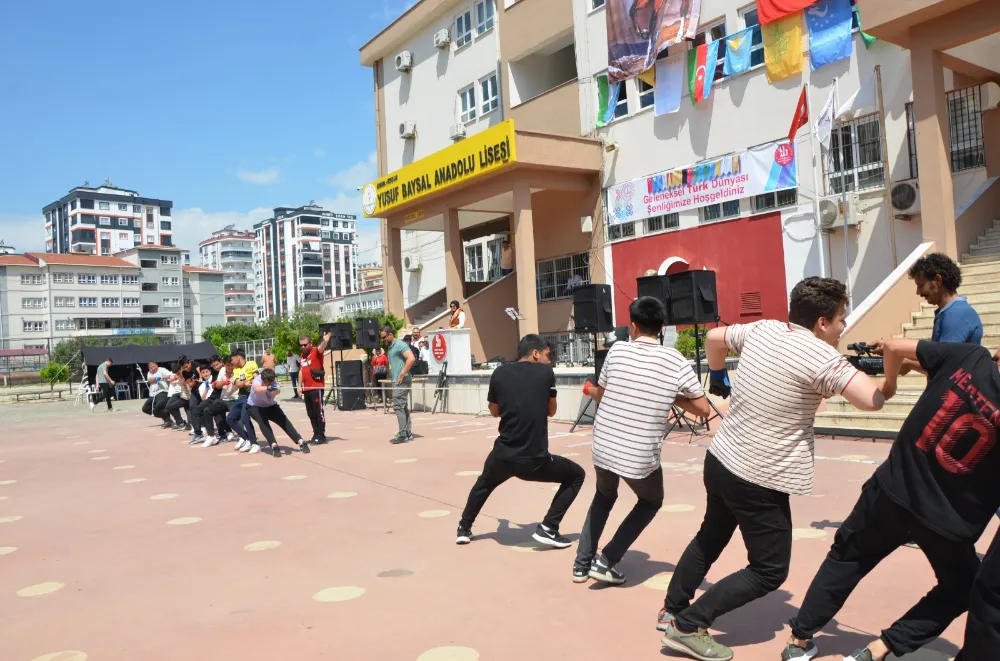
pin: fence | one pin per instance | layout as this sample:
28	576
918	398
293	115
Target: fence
576	348
254	348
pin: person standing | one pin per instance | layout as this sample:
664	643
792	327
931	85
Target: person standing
401	361
639	383
264	409
506	258
523	395
158	379
313	382
268	361
761	455
105	383
292	364
457	319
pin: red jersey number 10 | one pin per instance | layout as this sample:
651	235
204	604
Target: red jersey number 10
952	421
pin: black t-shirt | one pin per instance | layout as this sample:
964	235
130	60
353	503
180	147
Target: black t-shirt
522	391
944	466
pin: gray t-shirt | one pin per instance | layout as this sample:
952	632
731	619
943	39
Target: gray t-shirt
101	378
292	362
396	360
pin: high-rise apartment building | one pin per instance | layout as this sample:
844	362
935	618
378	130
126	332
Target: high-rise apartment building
106	220
303	256
232	251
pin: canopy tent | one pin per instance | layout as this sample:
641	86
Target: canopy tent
163	354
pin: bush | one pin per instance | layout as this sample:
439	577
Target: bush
685	342
54	373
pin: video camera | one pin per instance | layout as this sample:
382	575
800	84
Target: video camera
866	361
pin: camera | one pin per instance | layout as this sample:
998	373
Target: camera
865	360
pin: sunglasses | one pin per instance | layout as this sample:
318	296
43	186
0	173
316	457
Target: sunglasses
304	346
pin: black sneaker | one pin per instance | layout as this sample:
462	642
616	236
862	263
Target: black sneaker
166	425
398	439
303	446
601	570
550	537
276	451
464	535
580	574
796	653
178	427
318	440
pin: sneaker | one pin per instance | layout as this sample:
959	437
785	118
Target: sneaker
303	446
246	448
699	645
796	653
464	535
254	448
276	450
319	439
664	619
210	441
550	537
196	440
242	444
860	655
398	439
580	574
188	428
192	431
178	427
601	570
166	425
231	436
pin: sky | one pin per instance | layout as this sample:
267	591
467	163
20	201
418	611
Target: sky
227	108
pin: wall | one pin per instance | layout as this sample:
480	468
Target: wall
429	248
746	254
494	334
540	72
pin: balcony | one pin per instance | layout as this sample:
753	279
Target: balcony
311	286
150	309
530	23
554	111
310	220
311	271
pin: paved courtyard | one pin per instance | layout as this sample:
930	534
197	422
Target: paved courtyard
119	541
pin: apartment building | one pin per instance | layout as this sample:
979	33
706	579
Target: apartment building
364	303
106	220
232	251
303	256
206	301
369	276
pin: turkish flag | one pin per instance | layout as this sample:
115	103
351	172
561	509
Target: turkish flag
772	10
801	115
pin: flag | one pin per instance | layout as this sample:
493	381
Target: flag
862	101
829	24
824	123
769	11
801	117
669	83
867	38
614	90
783	47
701	70
738	52
602	99
648	76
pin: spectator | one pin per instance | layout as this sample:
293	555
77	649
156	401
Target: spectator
506	258
292	363
268	360
457	316
401	361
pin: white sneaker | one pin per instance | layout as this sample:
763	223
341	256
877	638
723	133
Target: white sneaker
246	447
254	448
241	444
209	441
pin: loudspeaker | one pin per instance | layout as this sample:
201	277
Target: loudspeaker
693	298
366	332
656	286
350	385
592	308
341	336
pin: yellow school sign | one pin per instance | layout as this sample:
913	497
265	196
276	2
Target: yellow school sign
477	155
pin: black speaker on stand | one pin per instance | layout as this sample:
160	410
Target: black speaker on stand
592	309
366	333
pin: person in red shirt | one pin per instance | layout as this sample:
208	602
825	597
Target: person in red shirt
313	380
380	370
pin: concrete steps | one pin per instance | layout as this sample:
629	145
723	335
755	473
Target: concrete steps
902	404
989	319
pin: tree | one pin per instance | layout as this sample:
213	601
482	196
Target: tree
54	373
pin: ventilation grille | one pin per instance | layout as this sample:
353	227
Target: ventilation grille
750	304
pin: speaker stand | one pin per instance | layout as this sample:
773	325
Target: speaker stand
704	422
586	408
332	392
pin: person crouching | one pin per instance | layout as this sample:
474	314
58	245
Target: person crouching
264	410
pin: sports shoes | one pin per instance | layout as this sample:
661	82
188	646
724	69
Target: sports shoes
178	427
193	432
210	441
860	655
197	439
699	645
464	535
401	438
303	446
551	537
580	574
231	436
319	439
243	443
601	570
663	619
166	425
246	448
254	448
796	653
276	450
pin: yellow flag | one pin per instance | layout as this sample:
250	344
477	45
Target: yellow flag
648	76
783	47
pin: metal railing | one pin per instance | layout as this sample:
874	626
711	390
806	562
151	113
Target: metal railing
576	348
855	158
965	125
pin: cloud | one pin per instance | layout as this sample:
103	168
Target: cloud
191	226
259	177
358	174
319	152
25	232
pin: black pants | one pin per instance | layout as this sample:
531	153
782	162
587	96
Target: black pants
314	408
212	413
875	528
264	416
107	393
650	493
982	631
155	406
174	407
567	474
765	521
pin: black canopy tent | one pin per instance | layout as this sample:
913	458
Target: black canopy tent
128	362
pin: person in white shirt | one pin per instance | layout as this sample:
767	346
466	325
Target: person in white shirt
158	379
425	353
761	454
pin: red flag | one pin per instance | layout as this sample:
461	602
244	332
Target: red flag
801	115
772	10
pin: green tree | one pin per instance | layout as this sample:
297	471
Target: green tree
54	373
685	342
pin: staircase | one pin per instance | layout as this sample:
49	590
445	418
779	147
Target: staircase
981	285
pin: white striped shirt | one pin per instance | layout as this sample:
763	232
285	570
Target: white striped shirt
641	380
785	372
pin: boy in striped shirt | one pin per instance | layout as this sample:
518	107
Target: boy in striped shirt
640	381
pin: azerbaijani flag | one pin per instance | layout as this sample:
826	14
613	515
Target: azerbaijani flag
702	62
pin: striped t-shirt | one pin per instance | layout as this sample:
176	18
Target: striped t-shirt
785	372
641	380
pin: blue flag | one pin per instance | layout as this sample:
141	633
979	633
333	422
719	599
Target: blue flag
614	90
829	24
738	52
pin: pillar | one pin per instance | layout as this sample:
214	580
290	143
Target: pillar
524	258
454	258
392	258
937	197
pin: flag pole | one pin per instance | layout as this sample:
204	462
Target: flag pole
815	168
843	206
885	168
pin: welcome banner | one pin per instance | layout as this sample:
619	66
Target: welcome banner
756	171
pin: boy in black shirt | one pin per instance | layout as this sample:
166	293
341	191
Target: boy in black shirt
523	396
938	487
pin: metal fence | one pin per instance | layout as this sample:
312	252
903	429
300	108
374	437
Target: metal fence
253	348
965	124
576	348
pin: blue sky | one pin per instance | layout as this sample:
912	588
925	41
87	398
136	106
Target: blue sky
227	108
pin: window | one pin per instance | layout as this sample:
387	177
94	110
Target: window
467	99
149	240
104	206
64	302
489	94
484	16
474	271
109	279
72	205
33	303
86	279
149	223
63	278
130	279
716	32
722	211
147	263
122	206
621	231
31	279
187	302
750	20
136	208
169	281
109	302
855	158
645	94
130	302
463	29
86	204
105	221
621	110
911	140
123	222
150	286
88	301
170	259
34	326
965	124
596	4
670	221
65	324
556	278
778	200
171	302
165	225
137	223
164	211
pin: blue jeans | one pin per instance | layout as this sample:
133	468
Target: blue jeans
239	419
295	382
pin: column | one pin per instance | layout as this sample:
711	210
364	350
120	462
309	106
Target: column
393	260
937	198
454	258
524	258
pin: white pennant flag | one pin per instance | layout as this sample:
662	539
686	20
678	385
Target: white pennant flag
824	123
863	100
669	83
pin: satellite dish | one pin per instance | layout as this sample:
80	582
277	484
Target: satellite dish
828	213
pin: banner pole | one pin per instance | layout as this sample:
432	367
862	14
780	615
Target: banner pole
843	203
816	190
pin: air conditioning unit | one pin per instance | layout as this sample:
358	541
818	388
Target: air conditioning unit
407	130
411	263
442	38
906	198
457	131
404	61
834	212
